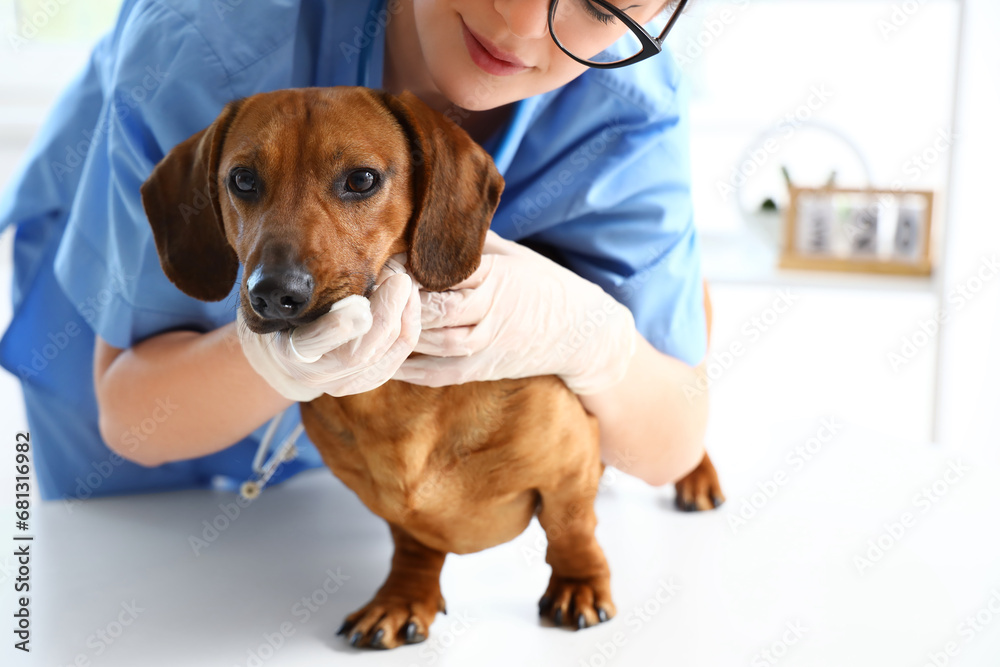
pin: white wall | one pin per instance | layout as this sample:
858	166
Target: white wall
838	84
969	403
841	85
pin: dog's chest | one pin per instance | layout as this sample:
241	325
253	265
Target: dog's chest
405	480
444	499
445	477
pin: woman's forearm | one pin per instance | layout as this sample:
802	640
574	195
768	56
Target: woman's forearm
180	395
184	394
653	422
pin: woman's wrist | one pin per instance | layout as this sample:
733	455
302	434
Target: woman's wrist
603	340
650	428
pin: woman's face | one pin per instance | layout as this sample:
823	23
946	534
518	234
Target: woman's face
482	54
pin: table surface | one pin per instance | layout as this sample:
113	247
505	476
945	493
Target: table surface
118	582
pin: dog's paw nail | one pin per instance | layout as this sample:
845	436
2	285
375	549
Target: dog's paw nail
557	619
376	641
356	638
412	635
543	604
716	501
602	615
344	627
581	622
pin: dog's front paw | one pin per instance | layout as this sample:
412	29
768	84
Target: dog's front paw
700	489
577	603
390	621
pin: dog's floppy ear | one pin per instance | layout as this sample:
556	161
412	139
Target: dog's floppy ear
456	189
181	199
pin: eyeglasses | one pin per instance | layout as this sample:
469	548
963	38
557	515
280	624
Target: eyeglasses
599	34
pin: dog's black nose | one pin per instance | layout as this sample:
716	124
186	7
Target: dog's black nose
279	292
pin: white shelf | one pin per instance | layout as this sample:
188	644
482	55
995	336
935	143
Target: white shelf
750	260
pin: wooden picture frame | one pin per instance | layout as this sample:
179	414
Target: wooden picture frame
859	229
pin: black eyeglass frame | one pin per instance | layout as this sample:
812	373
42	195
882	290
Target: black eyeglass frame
650	45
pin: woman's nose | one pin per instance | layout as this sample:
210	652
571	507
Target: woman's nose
527	19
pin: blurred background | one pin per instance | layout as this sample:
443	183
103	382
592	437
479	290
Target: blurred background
883	94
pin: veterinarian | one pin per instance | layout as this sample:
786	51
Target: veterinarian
131	386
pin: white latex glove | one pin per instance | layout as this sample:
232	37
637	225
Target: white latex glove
354	348
519	315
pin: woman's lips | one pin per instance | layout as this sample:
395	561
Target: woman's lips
488	57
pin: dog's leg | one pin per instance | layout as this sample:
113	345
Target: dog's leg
404	608
700	488
579	592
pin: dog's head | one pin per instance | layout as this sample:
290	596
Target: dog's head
312	190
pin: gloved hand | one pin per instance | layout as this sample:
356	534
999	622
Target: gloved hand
354	348
518	315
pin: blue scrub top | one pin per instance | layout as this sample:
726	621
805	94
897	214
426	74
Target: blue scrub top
597	176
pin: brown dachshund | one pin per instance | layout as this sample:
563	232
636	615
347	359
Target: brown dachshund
345	178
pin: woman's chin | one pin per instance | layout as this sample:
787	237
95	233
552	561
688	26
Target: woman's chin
465	86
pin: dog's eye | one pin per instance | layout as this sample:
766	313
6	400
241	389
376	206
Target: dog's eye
361	180
244	180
